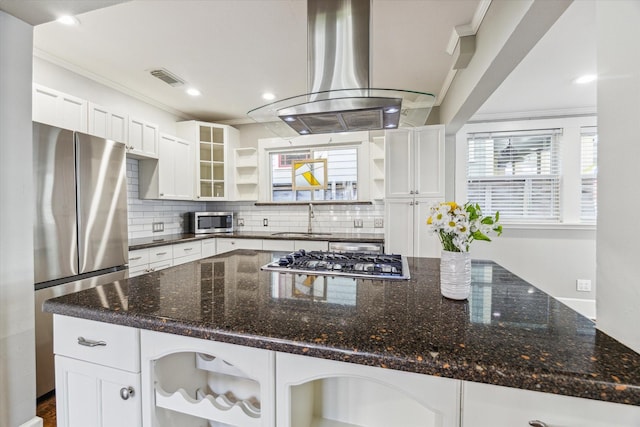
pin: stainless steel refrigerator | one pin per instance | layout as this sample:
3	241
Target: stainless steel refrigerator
80	230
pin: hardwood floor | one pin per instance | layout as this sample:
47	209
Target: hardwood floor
46	409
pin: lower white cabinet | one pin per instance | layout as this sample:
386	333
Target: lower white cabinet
278	245
494	406
324	393
187	252
226	245
406	231
209	247
94	395
311	245
97	373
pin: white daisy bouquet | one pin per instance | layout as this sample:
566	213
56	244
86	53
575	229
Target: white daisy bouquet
459	225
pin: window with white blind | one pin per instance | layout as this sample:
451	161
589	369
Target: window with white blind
515	173
588	174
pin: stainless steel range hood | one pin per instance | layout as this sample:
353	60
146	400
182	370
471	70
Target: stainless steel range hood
340	97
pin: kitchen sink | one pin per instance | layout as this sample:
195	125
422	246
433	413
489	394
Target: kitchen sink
300	234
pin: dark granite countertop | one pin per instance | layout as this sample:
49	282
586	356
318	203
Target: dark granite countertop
149	242
508	333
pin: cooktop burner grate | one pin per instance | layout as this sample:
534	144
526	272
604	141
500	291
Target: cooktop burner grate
351	264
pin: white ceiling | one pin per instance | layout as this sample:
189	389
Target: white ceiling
233	51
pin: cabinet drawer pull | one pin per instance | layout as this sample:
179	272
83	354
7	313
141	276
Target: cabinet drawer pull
135	258
188	249
90	343
161	253
126	392
536	423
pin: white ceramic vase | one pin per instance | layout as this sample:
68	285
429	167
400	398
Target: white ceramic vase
455	274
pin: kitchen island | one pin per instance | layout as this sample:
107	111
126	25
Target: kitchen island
508	334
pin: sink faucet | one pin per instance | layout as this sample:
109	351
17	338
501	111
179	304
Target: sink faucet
311	215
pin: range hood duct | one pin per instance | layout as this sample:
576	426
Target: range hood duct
340	97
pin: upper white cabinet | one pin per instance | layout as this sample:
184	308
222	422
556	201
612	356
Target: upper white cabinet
59	109
415	162
406	231
212	157
107	123
143	139
171	176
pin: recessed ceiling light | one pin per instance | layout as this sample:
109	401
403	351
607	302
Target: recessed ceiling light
193	91
587	78
68	20
268	96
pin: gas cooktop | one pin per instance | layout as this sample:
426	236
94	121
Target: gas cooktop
351	264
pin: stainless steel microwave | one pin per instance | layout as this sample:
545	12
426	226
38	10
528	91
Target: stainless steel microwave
210	222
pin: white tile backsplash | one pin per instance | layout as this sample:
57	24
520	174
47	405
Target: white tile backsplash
292	218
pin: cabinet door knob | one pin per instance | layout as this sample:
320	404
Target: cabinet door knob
411	192
91	343
126	392
536	423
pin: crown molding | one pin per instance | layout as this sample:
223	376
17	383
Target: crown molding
534	114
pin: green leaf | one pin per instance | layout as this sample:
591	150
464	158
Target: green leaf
497	216
487	220
477	235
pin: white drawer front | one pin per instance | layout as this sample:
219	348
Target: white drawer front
226	245
187	249
278	245
138	270
121	347
160	253
138	257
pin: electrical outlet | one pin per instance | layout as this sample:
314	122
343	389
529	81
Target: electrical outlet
157	226
583	285
240	222
265	222
357	223
378	222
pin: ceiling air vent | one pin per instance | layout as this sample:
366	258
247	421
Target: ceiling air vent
167	77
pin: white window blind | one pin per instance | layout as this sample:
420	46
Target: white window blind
515	173
588	174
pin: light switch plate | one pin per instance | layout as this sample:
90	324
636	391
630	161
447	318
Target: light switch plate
240	222
357	223
378	222
157	226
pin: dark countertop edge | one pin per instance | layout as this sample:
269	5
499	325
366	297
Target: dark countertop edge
550	382
183	238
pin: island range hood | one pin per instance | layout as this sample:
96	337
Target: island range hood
340	98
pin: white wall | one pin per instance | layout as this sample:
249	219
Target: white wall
56	77
618	299
17	339
566	251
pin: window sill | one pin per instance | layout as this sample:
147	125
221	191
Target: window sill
547	226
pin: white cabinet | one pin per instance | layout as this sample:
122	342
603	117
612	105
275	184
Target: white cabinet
245	165
142	142
213	143
170	177
311	245
107	123
146	260
226	245
59	109
209	247
278	245
319	392
406	231
97	374
187	252
193	382
414	180
415	162
494	406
